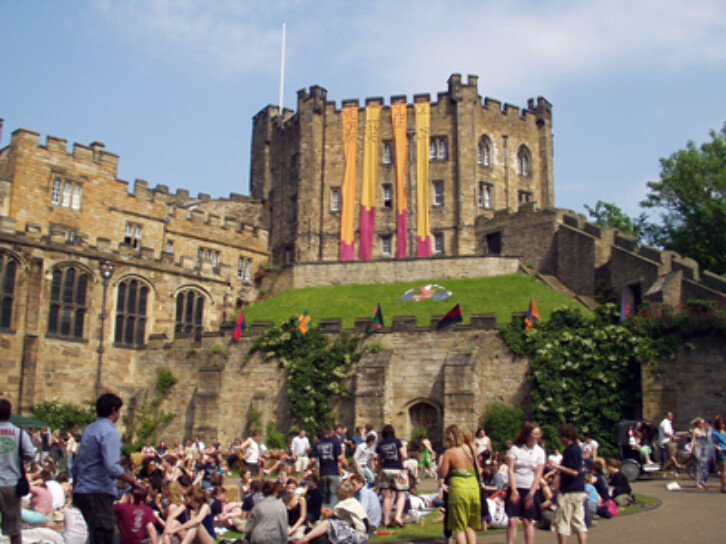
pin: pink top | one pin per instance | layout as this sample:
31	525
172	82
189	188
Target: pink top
42	501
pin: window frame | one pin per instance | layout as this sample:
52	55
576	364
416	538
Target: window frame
335	200
439	149
485	195
189	321
387	196
7	290
386	240
130	314
524	161
68	305
388	154
439	240
438	193
484	151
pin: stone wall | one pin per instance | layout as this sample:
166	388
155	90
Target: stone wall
690	385
387	271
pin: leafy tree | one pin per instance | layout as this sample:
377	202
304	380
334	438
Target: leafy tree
64	416
609	214
691	192
502	423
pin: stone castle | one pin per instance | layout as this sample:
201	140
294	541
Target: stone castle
101	286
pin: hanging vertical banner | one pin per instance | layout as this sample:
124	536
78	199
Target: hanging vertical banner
398	119
370	176
347	208
423	227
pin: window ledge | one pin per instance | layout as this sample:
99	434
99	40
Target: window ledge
130	346
7	331
53	336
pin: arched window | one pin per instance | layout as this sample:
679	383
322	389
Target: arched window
484	151
8	268
131	303
523	161
189	312
67	302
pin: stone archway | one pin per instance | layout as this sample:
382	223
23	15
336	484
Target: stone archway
424	413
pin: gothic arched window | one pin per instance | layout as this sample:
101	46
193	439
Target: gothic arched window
8	268
484	151
131	304
67	302
523	161
189	312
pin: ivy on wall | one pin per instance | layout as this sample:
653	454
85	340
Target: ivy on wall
315	367
587	371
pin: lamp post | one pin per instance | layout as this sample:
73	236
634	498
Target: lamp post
411	133
106	267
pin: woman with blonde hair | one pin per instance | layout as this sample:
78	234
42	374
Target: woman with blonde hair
701	450
458	464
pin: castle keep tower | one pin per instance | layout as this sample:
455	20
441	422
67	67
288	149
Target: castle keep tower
398	180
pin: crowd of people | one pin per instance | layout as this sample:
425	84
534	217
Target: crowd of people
337	487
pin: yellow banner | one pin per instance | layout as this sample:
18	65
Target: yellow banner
347	210
398	118
423	228
370	156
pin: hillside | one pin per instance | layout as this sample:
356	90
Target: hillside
502	295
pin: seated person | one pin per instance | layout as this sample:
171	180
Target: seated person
621	492
135	520
41	505
349	523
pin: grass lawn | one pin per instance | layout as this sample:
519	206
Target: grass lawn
501	295
429	530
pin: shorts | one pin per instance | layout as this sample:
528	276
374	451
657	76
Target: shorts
254	468
301	463
10	509
570	513
672	448
517	510
395	479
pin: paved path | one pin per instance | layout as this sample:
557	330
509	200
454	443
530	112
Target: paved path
688	515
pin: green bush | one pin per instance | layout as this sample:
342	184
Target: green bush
502	423
275	440
64	416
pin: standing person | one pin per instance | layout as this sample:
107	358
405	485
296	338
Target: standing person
71	448
571	500
458	464
526	461
701	450
252	449
362	457
300	447
667	438
327	452
96	466
483	442
394	480
14	445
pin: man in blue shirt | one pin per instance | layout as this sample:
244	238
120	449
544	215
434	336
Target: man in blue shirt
95	468
368	499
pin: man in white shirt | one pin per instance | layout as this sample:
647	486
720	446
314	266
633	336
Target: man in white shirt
300	448
667	438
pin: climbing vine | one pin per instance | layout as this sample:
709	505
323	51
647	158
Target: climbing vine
316	370
144	419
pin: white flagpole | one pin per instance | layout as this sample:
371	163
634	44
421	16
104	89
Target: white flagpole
282	68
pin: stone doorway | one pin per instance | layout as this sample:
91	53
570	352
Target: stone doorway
426	414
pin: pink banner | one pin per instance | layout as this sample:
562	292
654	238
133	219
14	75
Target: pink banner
367	223
423	247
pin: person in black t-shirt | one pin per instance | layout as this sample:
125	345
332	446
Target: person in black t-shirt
571	500
622	494
390	455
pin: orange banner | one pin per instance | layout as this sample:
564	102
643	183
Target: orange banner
399	122
349	116
370	177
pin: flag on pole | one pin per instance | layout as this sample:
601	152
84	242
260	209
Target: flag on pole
239	325
376	321
532	315
302	323
454	316
624	309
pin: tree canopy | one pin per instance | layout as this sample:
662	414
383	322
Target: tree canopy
690	194
690	199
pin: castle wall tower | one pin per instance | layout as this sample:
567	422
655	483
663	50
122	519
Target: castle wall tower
483	157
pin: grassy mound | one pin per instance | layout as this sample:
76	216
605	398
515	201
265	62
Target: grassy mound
501	295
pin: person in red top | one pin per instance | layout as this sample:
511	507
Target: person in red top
135	520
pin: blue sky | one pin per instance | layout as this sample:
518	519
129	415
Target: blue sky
171	85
